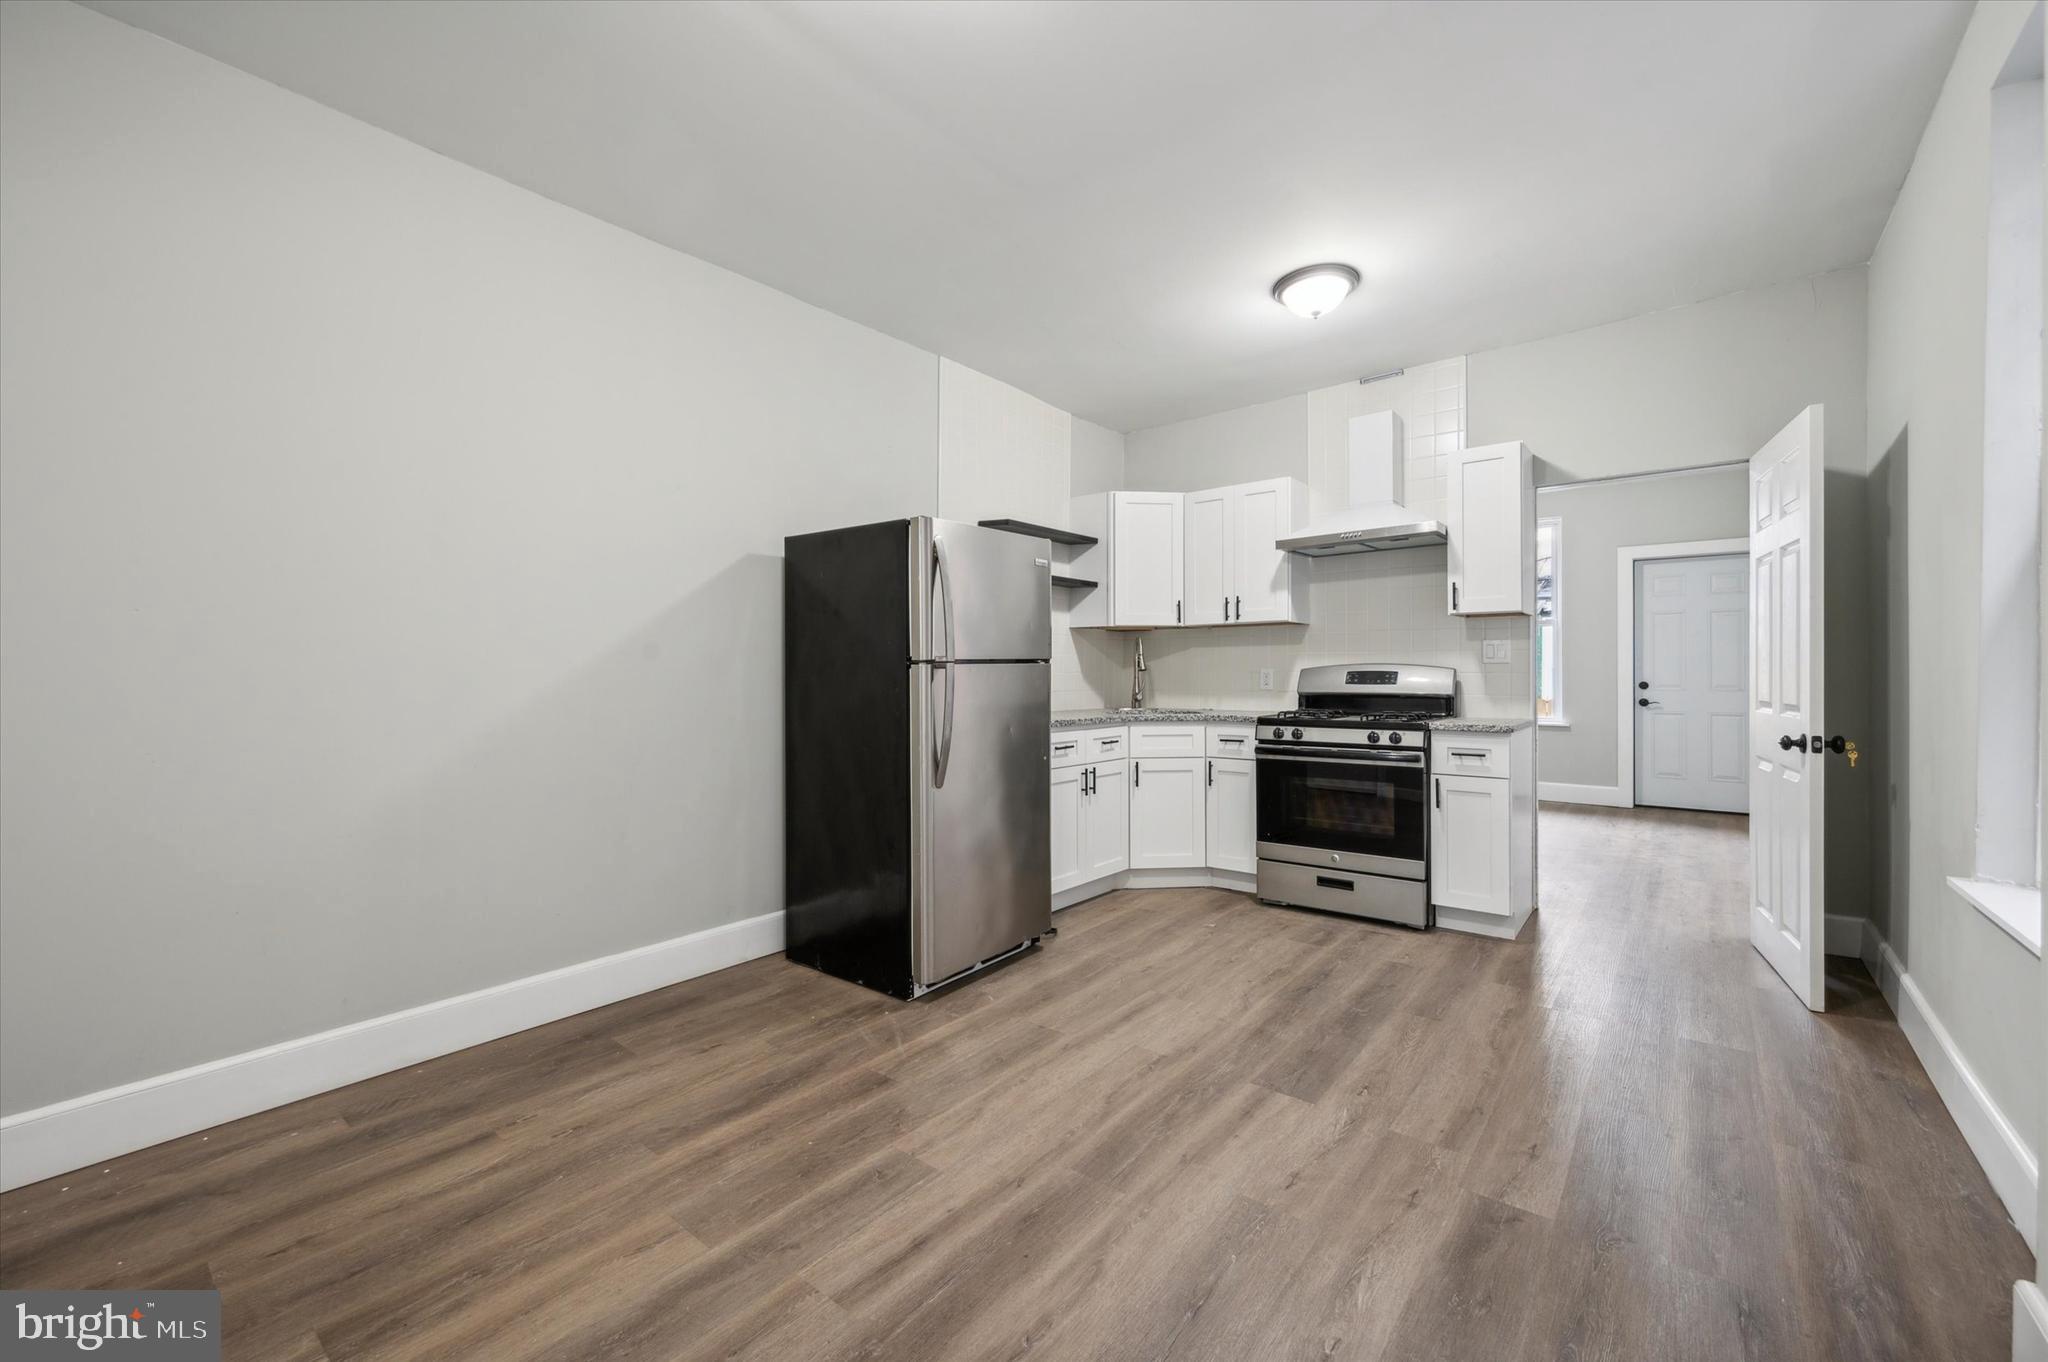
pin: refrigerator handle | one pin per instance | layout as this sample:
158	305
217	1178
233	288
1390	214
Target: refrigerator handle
945	579
942	755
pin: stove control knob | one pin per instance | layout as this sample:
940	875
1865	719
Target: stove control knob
1297	732
1279	732
1372	737
1394	738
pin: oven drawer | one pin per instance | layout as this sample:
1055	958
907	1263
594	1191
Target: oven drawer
1232	740
1167	740
1339	891
1470	754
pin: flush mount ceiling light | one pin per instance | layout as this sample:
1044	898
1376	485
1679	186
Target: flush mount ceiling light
1313	290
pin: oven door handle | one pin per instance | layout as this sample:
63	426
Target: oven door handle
1404	760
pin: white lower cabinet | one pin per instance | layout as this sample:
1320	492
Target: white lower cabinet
1468	844
1068	831
1106	821
1169	812
1233	816
1091	822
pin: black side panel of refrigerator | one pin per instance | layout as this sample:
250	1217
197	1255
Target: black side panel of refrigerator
846	753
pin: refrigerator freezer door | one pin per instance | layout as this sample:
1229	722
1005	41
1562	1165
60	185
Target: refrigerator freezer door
978	594
982	841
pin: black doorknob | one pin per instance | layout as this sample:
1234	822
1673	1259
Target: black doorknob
1644	703
1642	685
1789	743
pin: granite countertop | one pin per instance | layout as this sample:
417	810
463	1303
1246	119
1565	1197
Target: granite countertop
1479	725
1102	718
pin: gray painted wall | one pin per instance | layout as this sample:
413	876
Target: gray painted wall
1599	518
1706	384
389	565
1925	458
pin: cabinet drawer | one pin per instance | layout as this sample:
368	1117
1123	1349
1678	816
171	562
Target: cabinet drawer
1470	754
1079	746
1167	740
1231	740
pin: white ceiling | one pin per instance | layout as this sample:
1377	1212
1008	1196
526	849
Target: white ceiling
1091	200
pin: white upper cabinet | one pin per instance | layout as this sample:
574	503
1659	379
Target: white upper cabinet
1209	569
1269	585
1144	559
1491	524
1193	558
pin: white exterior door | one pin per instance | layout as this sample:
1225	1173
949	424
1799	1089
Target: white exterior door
1692	683
1206	527
1262	513
1106	821
1169	812
1068	785
1232	821
1787	779
1145	572
1469	834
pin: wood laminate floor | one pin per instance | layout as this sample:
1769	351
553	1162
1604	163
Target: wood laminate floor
1191	1127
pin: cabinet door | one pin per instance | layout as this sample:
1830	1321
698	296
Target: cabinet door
1106	822
1468	847
1262	512
1491	556
1169	812
1208	573
1232	835
1068	835
1145	568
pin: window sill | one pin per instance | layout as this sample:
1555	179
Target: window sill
1553	721
2016	908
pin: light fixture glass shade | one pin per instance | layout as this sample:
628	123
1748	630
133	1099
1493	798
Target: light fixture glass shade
1313	290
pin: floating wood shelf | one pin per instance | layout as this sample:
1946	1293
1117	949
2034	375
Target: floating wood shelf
1040	532
1082	582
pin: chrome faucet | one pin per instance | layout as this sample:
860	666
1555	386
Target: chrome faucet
1138	676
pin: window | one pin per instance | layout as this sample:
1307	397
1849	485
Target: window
2006	882
1549	621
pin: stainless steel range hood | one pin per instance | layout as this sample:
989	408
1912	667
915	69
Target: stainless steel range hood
1376	521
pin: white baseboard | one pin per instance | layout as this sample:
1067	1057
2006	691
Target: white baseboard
2004	1156
1608	796
1844	936
2029	1323
1155	879
65	1135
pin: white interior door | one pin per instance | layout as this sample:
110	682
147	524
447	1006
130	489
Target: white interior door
1787	778
1692	683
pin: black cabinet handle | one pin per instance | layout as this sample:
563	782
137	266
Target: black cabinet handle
1439	792
1454	595
1226	607
1176	612
1136	772
1240	607
1212	773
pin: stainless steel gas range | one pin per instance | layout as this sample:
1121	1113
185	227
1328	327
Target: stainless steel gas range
1343	782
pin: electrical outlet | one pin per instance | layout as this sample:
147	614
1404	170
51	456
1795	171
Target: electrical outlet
1494	650
1265	678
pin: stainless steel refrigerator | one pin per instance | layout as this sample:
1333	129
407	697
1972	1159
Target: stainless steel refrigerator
917	696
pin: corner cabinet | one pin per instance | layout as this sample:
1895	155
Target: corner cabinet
1491	525
1179	559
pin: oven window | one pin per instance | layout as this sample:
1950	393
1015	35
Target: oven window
1342	806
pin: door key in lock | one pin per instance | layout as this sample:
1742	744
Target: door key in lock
1844	747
